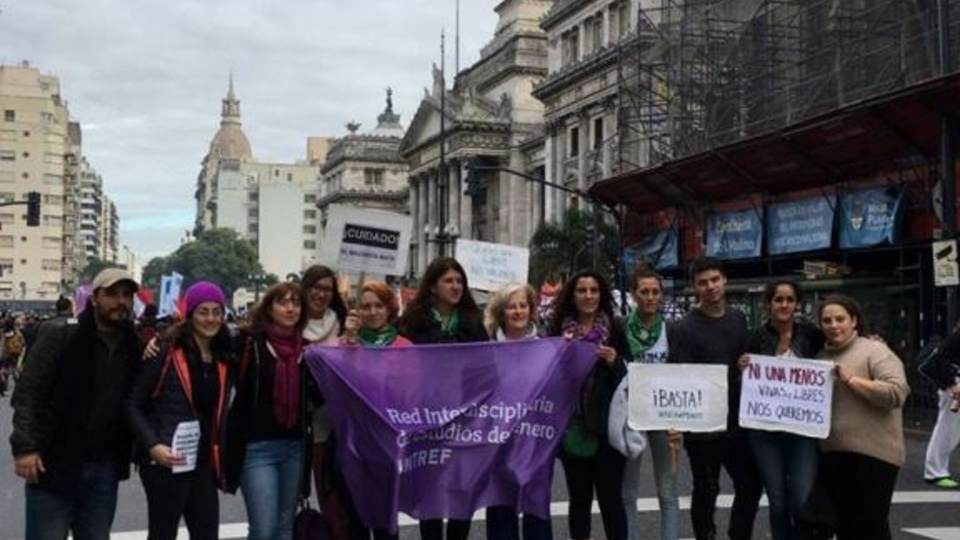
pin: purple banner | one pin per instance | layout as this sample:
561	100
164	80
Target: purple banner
440	431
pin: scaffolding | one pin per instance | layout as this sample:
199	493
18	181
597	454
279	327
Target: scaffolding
700	74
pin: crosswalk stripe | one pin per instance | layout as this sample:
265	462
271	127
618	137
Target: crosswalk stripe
646	504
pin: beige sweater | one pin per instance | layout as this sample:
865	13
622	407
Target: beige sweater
871	425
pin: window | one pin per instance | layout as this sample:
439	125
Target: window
51	265
309	214
6	219
309	244
8	155
289	177
252	196
26	133
622	18
597	132
310	198
373	177
26	154
52	179
597	32
276	173
51	242
309	229
252	212
569	46
252	228
9	116
6	266
573	142
6	241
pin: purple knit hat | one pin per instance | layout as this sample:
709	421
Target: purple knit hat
200	292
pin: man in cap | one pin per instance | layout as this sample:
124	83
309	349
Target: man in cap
69	439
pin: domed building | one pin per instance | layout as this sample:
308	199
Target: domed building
272	205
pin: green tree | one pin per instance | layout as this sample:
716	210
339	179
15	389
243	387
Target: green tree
579	241
154	270
218	255
94	266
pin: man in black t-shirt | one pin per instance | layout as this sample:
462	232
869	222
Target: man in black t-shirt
714	333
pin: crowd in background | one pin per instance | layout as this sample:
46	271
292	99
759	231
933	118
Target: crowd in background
265	430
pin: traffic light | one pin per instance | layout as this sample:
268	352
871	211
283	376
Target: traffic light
589	235
472	182
33	209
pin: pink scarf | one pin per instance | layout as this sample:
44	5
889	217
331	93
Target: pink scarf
286	376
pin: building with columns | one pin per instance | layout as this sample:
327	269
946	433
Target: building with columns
581	91
489	117
272	205
366	170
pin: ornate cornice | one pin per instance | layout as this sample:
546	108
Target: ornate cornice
355	195
579	71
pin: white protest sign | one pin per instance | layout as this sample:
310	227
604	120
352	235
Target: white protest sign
365	240
490	265
787	394
169	294
685	397
186	443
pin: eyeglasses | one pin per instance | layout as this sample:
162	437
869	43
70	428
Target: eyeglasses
324	289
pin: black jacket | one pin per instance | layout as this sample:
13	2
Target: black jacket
429	331
807	340
55	400
162	397
943	364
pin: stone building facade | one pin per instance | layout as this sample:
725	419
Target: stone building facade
489	117
366	170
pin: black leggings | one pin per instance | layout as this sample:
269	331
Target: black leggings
602	472
192	495
861	488
432	529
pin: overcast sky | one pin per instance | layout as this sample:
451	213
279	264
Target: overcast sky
145	79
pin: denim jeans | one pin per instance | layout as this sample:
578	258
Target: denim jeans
788	468
270	483
666	479
87	513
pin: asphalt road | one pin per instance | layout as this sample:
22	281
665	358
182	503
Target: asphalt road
920	511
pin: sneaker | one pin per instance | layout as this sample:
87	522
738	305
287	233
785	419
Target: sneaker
945	483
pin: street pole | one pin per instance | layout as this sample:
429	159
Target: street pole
947	154
442	169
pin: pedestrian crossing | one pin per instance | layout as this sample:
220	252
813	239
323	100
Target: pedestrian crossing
648	504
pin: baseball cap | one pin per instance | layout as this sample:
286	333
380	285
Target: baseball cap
108	277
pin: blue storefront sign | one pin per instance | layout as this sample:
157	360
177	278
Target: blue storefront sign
660	249
871	217
799	226
735	235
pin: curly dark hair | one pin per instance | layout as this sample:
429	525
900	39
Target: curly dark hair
417	313
563	305
314	274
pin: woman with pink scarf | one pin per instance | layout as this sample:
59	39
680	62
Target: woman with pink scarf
267	428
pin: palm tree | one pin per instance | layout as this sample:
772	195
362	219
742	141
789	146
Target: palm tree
582	239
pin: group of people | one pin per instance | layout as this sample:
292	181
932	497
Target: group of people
90	391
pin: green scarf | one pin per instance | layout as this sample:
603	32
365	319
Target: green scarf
639	336
372	338
449	327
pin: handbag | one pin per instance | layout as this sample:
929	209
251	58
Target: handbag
309	524
626	440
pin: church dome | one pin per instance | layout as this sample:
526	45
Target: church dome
230	142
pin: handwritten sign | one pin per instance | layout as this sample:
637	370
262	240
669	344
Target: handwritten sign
686	397
787	394
186	443
490	265
169	294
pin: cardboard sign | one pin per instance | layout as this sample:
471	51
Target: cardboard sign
365	240
490	265
787	394
685	397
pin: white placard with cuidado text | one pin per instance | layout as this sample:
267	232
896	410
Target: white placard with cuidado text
793	395
685	397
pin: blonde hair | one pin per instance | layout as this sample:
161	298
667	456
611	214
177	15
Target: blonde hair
497	305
